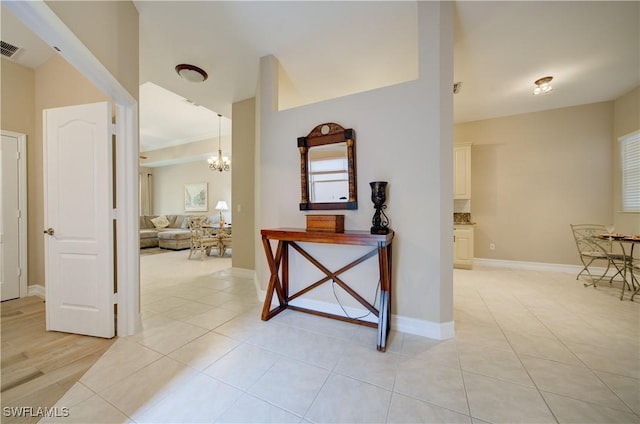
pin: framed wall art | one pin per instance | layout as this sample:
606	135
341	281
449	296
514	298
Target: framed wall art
195	197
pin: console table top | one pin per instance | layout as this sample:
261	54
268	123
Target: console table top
355	237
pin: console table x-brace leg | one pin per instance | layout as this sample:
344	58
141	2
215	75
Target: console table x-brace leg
279	261
334	276
274	281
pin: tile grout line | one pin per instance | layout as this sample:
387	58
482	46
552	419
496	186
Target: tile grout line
519	359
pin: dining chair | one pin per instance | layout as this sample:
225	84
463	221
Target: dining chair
592	248
201	240
224	242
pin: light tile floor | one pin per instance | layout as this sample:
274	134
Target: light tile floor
530	346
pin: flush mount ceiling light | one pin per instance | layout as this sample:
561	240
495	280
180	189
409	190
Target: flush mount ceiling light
191	73
543	86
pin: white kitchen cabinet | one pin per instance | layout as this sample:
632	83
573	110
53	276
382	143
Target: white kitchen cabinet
462	171
463	246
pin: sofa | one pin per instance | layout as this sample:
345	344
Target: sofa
169	233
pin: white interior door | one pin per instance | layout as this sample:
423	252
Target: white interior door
79	256
9	219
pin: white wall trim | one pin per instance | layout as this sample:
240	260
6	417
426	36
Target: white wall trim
249	274
418	327
537	266
243	273
127	223
37	290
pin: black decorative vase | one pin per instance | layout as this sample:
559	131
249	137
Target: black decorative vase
380	221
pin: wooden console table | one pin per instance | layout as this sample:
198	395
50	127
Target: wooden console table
279	268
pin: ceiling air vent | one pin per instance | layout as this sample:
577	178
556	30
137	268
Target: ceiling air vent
8	50
191	102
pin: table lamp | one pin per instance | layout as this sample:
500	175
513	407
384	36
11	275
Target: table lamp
222	206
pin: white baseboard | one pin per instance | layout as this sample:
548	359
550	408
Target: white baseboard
36	290
249	274
418	327
243	273
535	266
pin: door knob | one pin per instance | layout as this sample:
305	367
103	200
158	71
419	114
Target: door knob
49	231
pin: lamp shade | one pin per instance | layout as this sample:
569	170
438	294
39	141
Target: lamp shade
222	206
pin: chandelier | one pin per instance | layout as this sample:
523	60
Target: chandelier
219	163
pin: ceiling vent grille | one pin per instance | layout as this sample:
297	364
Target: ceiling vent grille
8	50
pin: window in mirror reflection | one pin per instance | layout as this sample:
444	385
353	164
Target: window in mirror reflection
328	173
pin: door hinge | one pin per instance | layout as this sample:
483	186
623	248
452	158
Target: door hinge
19	272
114	298
18	214
18	155
114	213
114	128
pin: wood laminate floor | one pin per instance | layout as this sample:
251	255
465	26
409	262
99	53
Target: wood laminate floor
39	366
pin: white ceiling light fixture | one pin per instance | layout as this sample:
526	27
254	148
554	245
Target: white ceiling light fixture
191	73
543	86
219	163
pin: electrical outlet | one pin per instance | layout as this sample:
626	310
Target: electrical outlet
492	246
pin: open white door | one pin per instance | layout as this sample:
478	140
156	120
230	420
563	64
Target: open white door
79	254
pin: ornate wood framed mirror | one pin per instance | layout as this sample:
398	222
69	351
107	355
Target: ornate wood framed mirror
328	168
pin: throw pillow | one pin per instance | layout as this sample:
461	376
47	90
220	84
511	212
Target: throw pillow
160	222
185	223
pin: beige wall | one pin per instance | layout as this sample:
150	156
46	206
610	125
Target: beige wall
414	119
17	107
168	188
626	120
243	184
110	30
533	175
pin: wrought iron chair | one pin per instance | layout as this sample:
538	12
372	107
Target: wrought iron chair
635	272
632	271
592	248
201	240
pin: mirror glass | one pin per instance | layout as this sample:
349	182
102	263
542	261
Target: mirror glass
328	174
